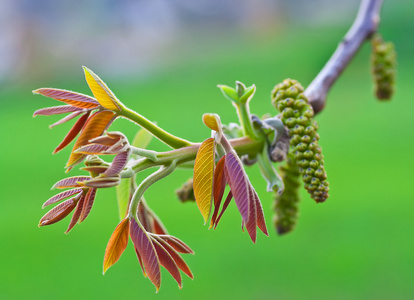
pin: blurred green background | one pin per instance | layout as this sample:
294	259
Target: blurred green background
357	245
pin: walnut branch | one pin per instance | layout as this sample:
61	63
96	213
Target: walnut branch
364	26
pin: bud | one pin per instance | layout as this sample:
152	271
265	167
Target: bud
186	192
383	62
297	116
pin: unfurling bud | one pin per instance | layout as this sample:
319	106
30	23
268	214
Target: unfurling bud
186	192
383	67
286	204
297	116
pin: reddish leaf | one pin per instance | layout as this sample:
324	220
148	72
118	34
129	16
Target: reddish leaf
95	169
116	245
219	185
251	224
226	203
261	223
94	127
61	196
69	97
58	213
239	184
182	265
70	182
203	177
158	227
176	243
146	250
118	164
167	262
66	119
144	218
87	205
56	110
72	133
76	214
140	262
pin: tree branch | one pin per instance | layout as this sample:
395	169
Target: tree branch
364	26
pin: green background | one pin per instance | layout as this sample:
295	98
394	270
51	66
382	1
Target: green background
357	245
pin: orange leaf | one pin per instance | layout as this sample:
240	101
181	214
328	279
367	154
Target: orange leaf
72	133
93	128
102	93
203	177
117	244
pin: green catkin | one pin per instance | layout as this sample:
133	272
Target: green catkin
286	204
383	67
297	115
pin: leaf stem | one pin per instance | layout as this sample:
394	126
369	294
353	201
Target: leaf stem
243	112
158	132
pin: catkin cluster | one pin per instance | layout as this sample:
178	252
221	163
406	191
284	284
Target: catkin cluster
286	204
297	115
383	67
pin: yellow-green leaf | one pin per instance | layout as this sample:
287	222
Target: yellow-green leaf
100	90
142	139
123	191
203	177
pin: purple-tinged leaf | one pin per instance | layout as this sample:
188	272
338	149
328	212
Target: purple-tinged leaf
144	218
95	169
146	250
103	182
167	262
239	184
87	205
140	262
225	205
261	223
58	212
70	182
219	185
251	224
72	133
158	227
69	97
76	214
176	243
92	149
177	258
61	196
118	164
66	119
56	110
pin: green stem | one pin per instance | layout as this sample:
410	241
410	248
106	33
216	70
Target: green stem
243	112
161	134
145	184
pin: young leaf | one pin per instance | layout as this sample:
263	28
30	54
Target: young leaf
87	205
248	94
117	244
203	177
76	214
70	182
260	222
229	93
62	196
56	110
72	133
102	93
174	242
239	184
103	182
58	213
167	262
147	252
69	97
118	164
142	139
226	203
251	224
93	149
66	119
94	127
123	192
219	184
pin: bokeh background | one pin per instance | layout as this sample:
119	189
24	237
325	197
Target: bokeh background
164	59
